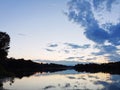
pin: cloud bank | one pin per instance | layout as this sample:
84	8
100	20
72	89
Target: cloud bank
83	12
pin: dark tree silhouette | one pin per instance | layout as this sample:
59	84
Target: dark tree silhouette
4	45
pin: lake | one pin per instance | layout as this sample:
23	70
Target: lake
63	80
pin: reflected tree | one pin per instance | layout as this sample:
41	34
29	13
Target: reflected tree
4	45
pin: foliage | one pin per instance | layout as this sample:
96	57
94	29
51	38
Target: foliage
4	45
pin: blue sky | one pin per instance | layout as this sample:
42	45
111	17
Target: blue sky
55	29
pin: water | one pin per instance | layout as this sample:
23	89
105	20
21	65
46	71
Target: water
64	80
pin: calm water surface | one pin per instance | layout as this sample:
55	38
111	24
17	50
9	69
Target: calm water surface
64	80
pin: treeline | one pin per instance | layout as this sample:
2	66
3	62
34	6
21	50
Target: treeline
113	67
21	66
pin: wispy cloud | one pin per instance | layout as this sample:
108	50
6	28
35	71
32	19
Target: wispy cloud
49	50
108	51
78	58
66	51
53	45
69	50
21	34
76	46
94	58
66	47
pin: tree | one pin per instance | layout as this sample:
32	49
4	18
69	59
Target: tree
4	45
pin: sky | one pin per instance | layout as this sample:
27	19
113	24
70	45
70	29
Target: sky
64	31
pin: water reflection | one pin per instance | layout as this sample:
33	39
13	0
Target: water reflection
9	80
65	80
